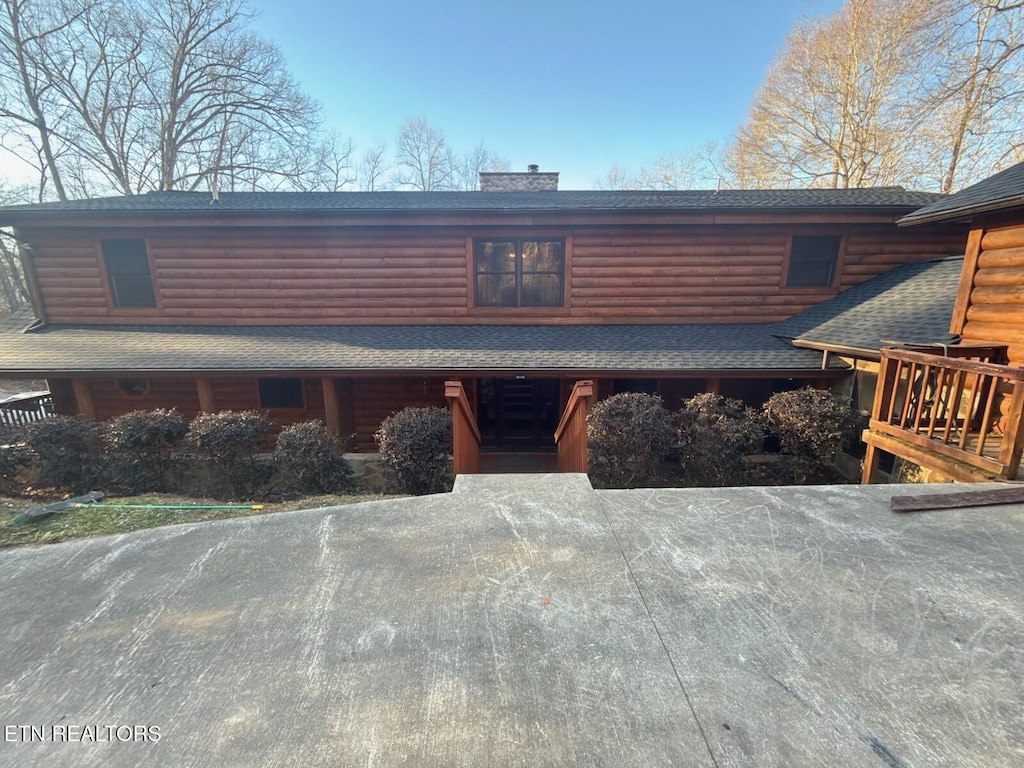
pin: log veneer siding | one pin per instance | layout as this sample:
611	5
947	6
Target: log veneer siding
362	275
994	285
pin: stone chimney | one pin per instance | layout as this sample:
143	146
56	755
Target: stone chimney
531	181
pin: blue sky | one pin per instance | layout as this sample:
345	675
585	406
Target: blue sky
573	86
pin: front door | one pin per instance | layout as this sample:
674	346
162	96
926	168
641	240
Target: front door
518	414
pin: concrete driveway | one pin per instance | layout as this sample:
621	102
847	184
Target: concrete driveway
527	620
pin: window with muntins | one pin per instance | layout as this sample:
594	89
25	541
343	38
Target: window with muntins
131	284
281	393
519	273
812	260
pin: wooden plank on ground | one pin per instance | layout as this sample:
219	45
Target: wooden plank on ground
1014	495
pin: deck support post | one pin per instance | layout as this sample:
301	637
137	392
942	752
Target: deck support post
871	458
207	403
332	411
83	398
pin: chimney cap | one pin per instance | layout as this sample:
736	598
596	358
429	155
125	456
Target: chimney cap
532	168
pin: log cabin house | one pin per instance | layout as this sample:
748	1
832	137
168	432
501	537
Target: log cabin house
349	306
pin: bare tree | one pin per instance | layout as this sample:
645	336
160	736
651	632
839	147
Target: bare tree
28	106
423	158
167	94
925	93
617	178
13	289
972	87
834	107
372	173
689	169
470	165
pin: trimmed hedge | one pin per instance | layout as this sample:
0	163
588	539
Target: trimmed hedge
415	450
715	434
230	441
812	426
140	448
628	436
66	453
308	460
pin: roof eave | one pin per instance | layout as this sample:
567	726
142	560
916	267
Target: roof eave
964	212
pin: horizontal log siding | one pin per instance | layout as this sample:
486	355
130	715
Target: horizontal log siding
995	311
307	275
376	399
180	394
716	274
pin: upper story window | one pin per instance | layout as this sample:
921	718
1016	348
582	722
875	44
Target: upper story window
812	260
127	263
519	273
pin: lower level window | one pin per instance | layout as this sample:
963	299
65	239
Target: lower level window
281	393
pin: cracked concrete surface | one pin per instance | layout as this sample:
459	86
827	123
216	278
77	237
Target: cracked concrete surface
529	620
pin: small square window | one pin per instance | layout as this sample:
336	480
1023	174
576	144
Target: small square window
131	283
281	393
812	260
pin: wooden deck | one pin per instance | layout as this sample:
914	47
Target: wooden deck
956	412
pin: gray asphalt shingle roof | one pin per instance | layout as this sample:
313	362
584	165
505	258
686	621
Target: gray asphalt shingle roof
1003	190
319	202
401	348
912	303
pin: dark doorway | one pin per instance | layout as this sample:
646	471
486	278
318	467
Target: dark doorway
518	414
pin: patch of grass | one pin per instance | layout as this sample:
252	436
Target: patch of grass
107	518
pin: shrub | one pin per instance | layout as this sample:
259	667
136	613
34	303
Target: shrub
66	453
139	447
307	460
15	456
812	425
415	450
628	436
230	442
715	433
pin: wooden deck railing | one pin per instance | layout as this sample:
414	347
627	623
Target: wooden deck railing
465	433
947	412
571	435
26	410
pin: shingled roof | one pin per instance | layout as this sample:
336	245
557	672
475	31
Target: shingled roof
399	349
1003	190
325	202
912	303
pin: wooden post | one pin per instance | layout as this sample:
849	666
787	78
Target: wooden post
331	409
713	386
870	465
465	433
207	403
571	435
83	398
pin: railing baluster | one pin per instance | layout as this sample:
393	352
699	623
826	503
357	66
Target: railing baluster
973	388
986	420
951	406
908	393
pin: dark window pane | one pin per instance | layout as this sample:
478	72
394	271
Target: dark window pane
128	271
132	290
281	393
812	260
543	256
542	291
496	290
495	257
